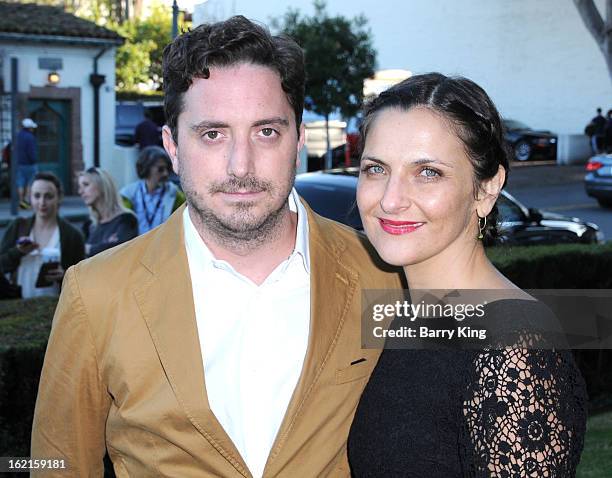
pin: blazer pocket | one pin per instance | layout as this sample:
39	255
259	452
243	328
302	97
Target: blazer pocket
354	372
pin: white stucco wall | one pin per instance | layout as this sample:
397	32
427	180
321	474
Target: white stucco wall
534	57
76	68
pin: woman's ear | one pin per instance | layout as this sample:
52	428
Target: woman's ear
488	192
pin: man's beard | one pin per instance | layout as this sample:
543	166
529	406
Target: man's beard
242	230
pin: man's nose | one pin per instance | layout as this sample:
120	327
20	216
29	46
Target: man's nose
240	162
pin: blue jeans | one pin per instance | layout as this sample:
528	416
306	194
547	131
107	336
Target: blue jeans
25	173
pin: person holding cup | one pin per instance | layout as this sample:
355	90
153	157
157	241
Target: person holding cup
38	250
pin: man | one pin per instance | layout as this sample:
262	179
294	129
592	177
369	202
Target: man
27	158
152	198
608	133
597	127
226	342
147	133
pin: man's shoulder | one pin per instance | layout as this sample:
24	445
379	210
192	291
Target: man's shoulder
352	247
129	189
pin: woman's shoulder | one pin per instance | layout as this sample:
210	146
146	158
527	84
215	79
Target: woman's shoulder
125	218
515	322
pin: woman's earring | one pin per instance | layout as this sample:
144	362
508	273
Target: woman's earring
481	227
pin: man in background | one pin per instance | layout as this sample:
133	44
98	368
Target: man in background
26	150
147	132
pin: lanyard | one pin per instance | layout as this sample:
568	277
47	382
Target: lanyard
151	218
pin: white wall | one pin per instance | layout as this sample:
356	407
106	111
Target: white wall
76	68
534	57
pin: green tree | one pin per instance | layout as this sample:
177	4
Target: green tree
133	60
339	55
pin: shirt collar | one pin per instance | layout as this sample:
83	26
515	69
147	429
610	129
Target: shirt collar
197	247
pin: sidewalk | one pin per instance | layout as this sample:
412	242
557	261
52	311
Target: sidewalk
72	208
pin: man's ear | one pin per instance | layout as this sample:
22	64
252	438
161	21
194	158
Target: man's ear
170	147
489	190
300	144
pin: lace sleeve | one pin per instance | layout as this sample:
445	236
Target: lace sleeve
524	414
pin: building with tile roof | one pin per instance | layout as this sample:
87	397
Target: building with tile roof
64	68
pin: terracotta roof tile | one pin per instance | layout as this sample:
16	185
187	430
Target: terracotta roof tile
29	18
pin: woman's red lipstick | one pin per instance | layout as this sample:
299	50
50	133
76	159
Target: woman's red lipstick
399	227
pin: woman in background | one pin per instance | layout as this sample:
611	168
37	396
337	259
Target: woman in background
110	223
39	249
433	164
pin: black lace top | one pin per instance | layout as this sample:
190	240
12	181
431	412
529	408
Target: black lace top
470	413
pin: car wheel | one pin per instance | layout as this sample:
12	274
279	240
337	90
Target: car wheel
522	151
605	202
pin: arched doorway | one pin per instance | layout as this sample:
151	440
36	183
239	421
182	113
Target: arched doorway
53	137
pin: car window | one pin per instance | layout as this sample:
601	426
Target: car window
332	202
129	115
508	211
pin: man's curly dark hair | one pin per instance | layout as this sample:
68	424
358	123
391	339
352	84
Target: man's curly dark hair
233	41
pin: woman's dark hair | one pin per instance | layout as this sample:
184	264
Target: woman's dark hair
52	178
147	159
467	108
233	41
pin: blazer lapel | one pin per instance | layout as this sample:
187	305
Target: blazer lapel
166	303
332	288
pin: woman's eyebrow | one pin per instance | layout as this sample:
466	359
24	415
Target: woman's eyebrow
420	162
374	160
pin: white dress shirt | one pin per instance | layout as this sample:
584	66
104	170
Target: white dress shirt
253	338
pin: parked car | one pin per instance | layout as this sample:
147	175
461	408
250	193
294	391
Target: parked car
127	116
598	181
527	143
332	194
346	152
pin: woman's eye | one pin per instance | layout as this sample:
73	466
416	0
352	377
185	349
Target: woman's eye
429	173
373	169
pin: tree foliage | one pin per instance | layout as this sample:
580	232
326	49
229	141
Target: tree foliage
139	59
339	56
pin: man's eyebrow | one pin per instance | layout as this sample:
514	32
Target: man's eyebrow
275	120
208	125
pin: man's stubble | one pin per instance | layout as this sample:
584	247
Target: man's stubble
242	231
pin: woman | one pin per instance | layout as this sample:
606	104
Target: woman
110	223
433	163
153	198
39	249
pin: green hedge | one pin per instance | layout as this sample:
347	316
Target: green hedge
567	266
24	330
25	325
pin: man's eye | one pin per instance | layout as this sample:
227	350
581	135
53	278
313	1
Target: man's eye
211	134
268	132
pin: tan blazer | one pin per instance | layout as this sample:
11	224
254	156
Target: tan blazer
123	367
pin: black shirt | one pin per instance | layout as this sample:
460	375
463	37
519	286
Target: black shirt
103	236
471	413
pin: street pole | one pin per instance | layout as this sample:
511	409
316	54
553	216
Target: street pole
14	159
175	11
